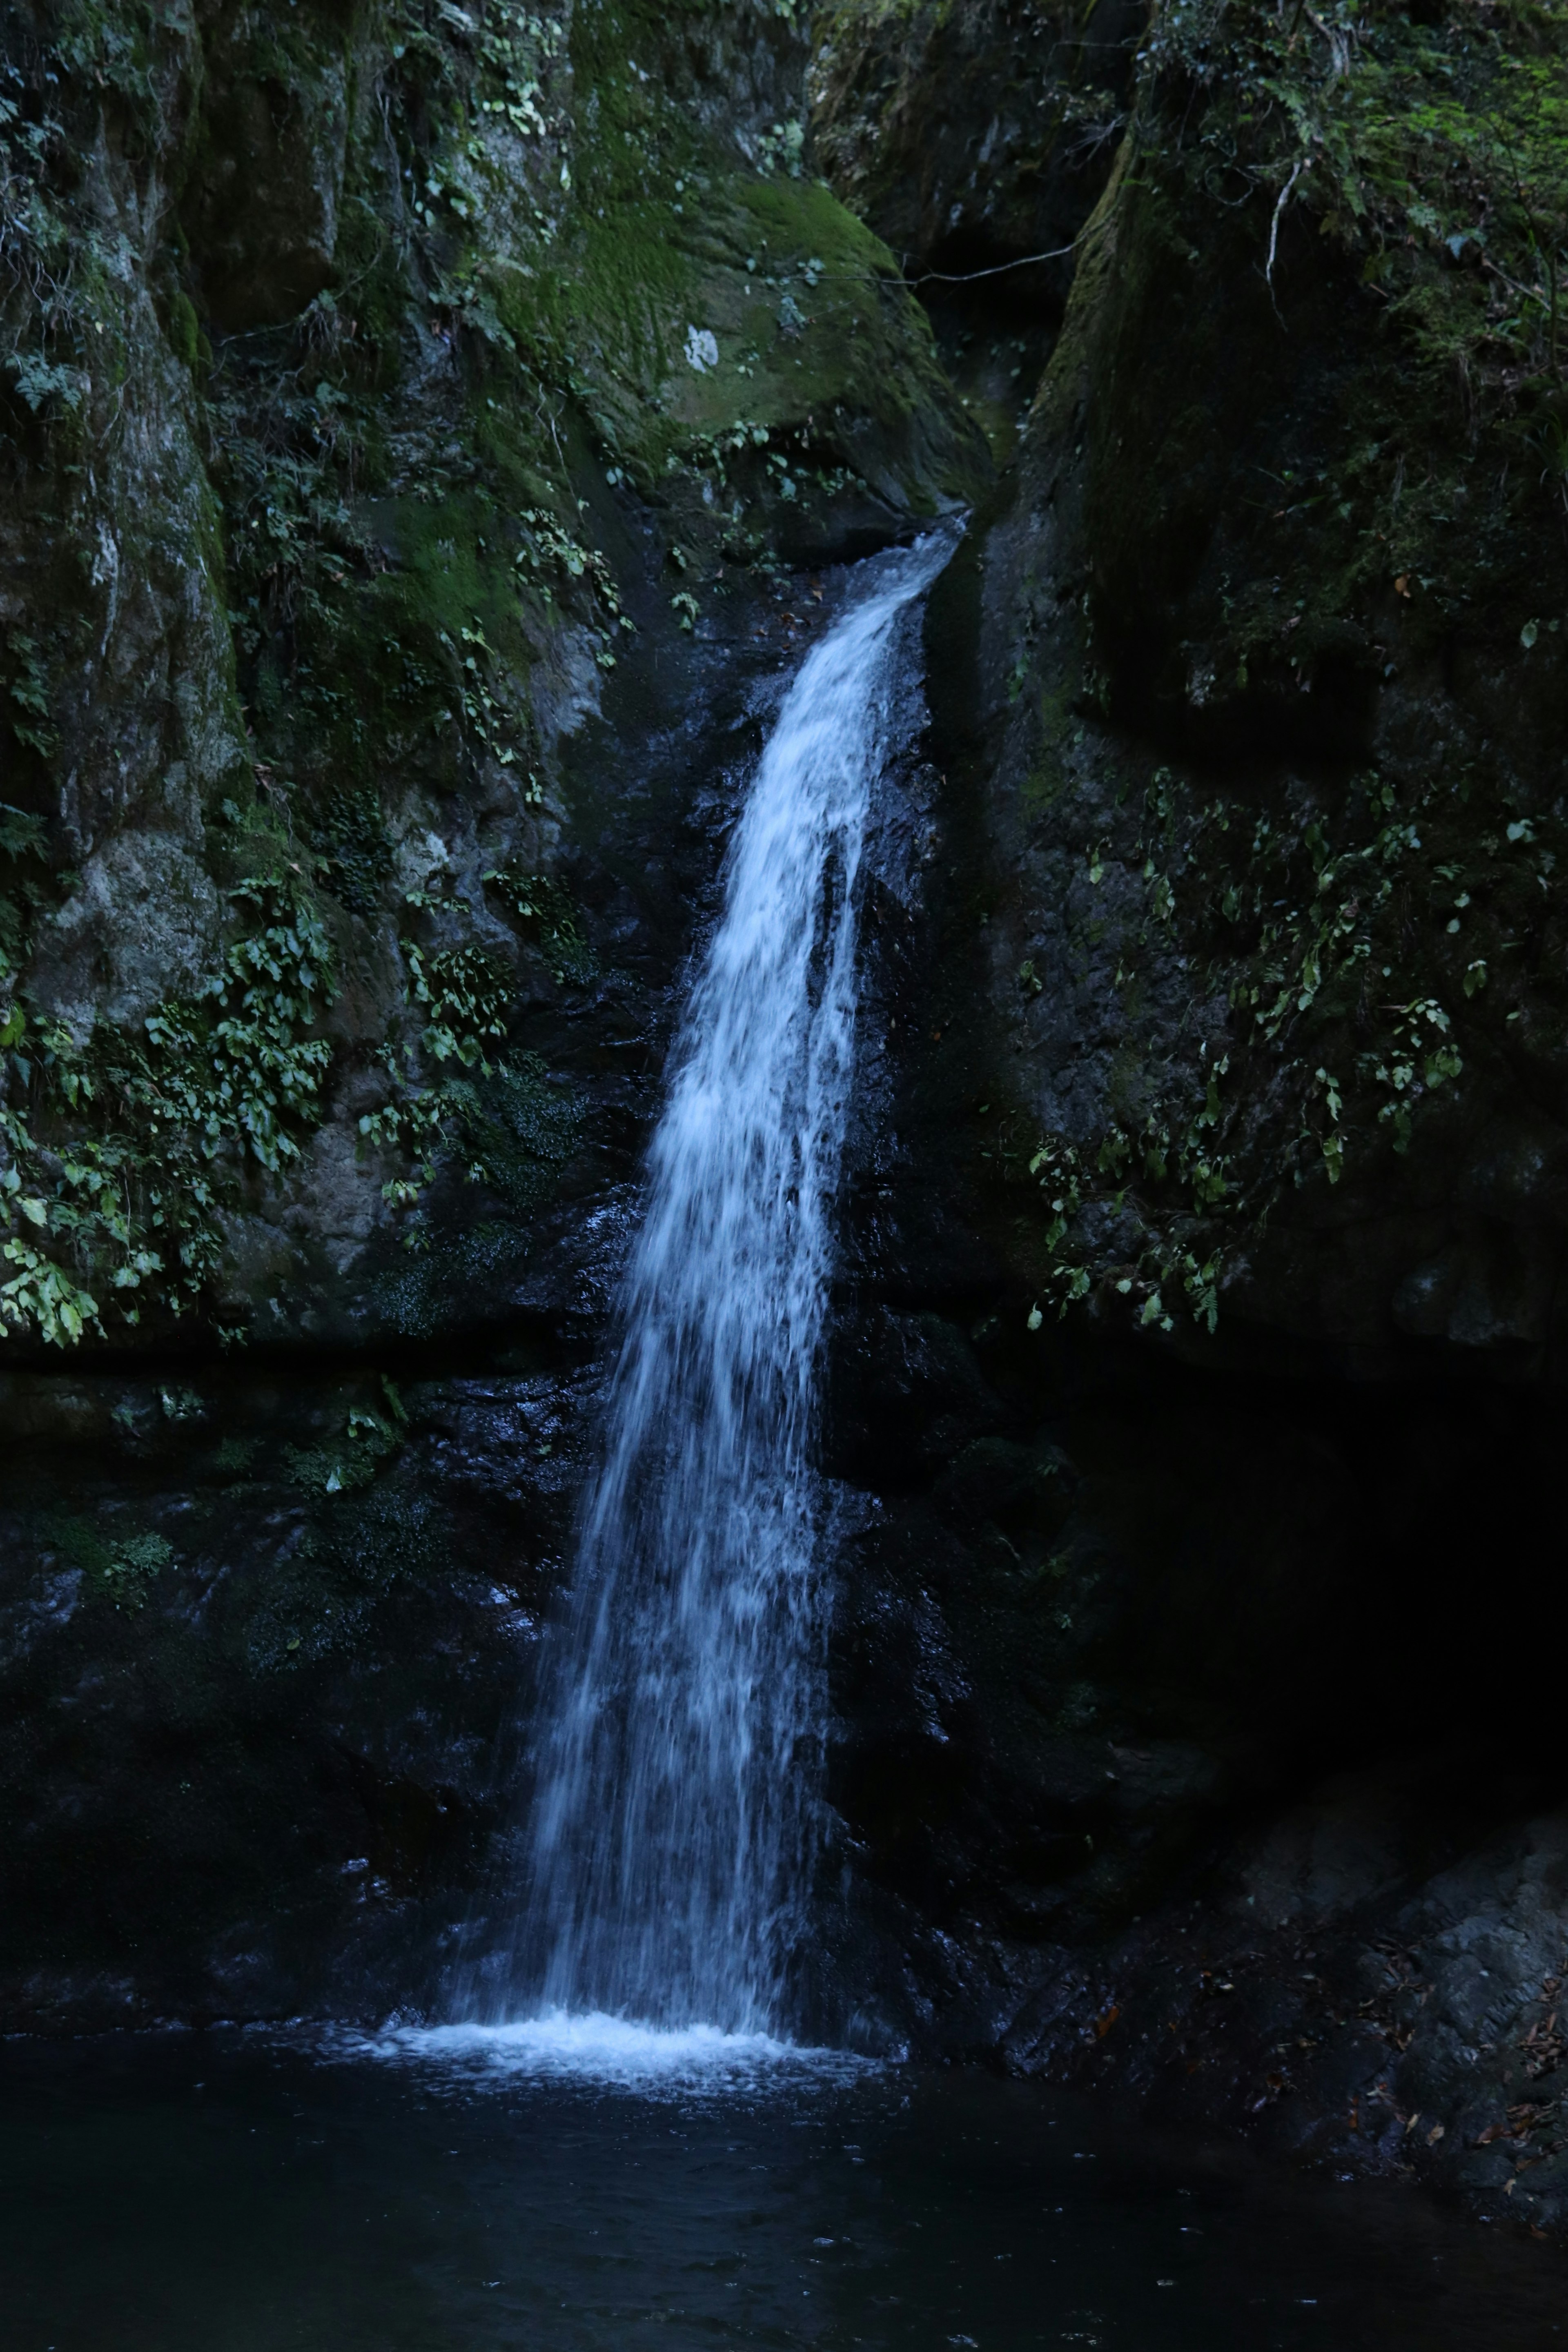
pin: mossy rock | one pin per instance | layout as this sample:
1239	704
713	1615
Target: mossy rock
703	305
1284	694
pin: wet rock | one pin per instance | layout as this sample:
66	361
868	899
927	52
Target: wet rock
974	137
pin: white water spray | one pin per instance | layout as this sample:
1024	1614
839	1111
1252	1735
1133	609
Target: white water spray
678	1788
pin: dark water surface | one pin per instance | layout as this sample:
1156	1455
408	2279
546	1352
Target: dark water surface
227	2193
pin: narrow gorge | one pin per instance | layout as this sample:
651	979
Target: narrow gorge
783	1168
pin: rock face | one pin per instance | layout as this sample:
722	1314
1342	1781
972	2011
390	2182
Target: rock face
973	138
376	390
409	418
426	435
1203	1344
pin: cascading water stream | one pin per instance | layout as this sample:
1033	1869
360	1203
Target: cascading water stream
676	1794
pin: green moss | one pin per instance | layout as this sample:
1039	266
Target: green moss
1310	344
391	1536
348	831
1358	373
118	1568
1050	777
185	330
518	1129
394	518
816	332
458	1275
551	919
812	333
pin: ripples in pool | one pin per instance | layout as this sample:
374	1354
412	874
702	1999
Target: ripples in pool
577	2185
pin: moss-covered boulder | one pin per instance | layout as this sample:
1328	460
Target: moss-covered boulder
1275	655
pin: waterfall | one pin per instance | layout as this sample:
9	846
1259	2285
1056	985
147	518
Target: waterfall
678	1788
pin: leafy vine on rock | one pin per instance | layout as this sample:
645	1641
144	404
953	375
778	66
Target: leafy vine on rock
118	1156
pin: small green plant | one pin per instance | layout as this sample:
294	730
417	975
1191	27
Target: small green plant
369	1438
1422	1059
28	694
119	1569
349	833
468	995
117	1169
551	913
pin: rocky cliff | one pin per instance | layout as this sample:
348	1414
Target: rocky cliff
1205	1365
420	429
427	432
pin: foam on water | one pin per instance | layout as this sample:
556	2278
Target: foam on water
614	2053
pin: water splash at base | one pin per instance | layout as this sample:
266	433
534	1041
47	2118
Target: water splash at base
610	2052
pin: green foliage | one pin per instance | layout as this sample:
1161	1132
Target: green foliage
413	1123
1301	919
466	992
41	1295
117	1168
488	716
45	385
1163	1264
1420	1060
28	696
119	1568
370	1438
348	831
547	545
509	1125
21	892
241	1064
21	836
39	259
399	528
1339	999
1310	395
551	913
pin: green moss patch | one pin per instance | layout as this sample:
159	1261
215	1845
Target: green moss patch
1297	732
